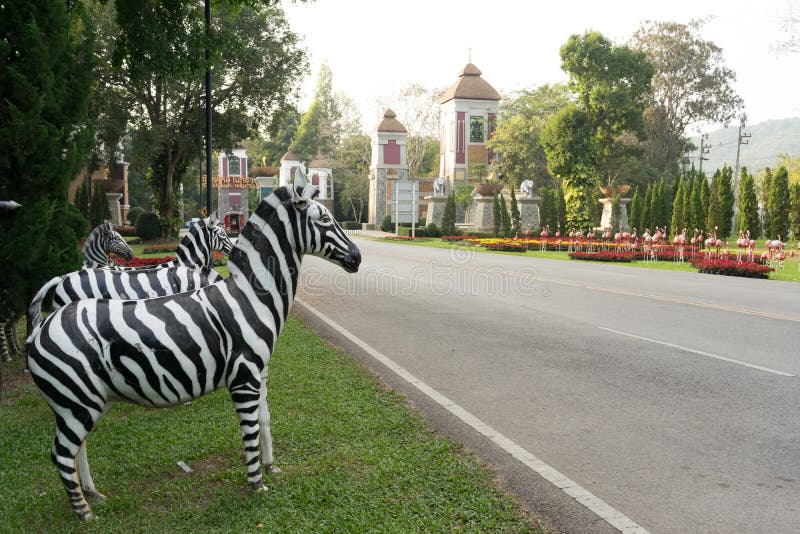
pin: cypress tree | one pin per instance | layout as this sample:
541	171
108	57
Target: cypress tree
497	217
664	204
505	220
82	198
45	82
698	213
688	185
561	204
99	210
779	203
516	218
794	215
449	216
644	217
547	213
748	218
678	210
726	201
634	208
713	216
766	220
705	197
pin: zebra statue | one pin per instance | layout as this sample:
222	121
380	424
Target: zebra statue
120	285
197	247
166	351
102	240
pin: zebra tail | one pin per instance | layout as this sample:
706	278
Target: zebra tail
35	309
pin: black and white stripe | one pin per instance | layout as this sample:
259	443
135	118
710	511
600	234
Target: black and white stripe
102	240
165	351
120	285
197	247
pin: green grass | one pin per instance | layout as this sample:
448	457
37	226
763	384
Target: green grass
790	272
354	458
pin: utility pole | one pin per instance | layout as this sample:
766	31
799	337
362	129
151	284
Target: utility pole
704	149
743	140
208	108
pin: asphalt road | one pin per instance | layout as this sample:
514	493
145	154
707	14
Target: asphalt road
667	400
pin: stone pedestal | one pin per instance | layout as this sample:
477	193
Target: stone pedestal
436	206
481	212
605	220
114	207
529	212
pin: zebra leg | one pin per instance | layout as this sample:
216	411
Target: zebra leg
265	436
4	349
64	452
87	484
246	401
14	348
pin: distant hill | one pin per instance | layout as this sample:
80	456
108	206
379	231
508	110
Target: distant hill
768	139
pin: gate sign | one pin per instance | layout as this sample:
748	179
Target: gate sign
405	202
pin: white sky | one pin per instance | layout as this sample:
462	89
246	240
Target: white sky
375	48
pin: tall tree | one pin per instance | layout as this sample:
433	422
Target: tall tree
516	219
794	210
766	218
154	67
714	213
705	198
748	218
517	139
350	173
726	201
497	217
572	151
644	221
505	219
635	209
678	209
449	216
45	81
779	204
691	84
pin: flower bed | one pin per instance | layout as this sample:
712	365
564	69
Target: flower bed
746	269
506	246
144	262
452	238
604	255
158	249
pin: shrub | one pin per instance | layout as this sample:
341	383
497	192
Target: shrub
148	226
144	262
745	269
604	255
134	213
351	225
126	230
386	224
432	231
418	232
506	246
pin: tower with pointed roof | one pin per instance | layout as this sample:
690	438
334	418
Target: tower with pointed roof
388	163
320	172
468	115
289	161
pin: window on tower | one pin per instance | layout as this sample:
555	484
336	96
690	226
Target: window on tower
476	129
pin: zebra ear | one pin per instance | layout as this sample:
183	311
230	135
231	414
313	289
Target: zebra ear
108	226
299	186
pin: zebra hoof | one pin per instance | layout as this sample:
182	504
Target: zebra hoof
86	516
272	468
259	486
94	495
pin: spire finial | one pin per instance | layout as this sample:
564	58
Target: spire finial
469	55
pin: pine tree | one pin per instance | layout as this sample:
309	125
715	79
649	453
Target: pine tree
766	220
497	217
778	202
748	218
561	204
45	82
678	210
794	215
516	218
82	198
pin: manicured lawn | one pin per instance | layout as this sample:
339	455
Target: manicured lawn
790	272
354	458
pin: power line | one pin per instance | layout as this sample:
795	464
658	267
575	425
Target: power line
704	149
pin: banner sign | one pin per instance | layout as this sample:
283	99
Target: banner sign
233	182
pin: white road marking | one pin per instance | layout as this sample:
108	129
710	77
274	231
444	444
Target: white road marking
613	516
700	352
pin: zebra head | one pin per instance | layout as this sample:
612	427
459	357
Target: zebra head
102	240
218	239
319	233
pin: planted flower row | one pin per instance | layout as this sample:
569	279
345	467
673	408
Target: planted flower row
604	255
747	269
